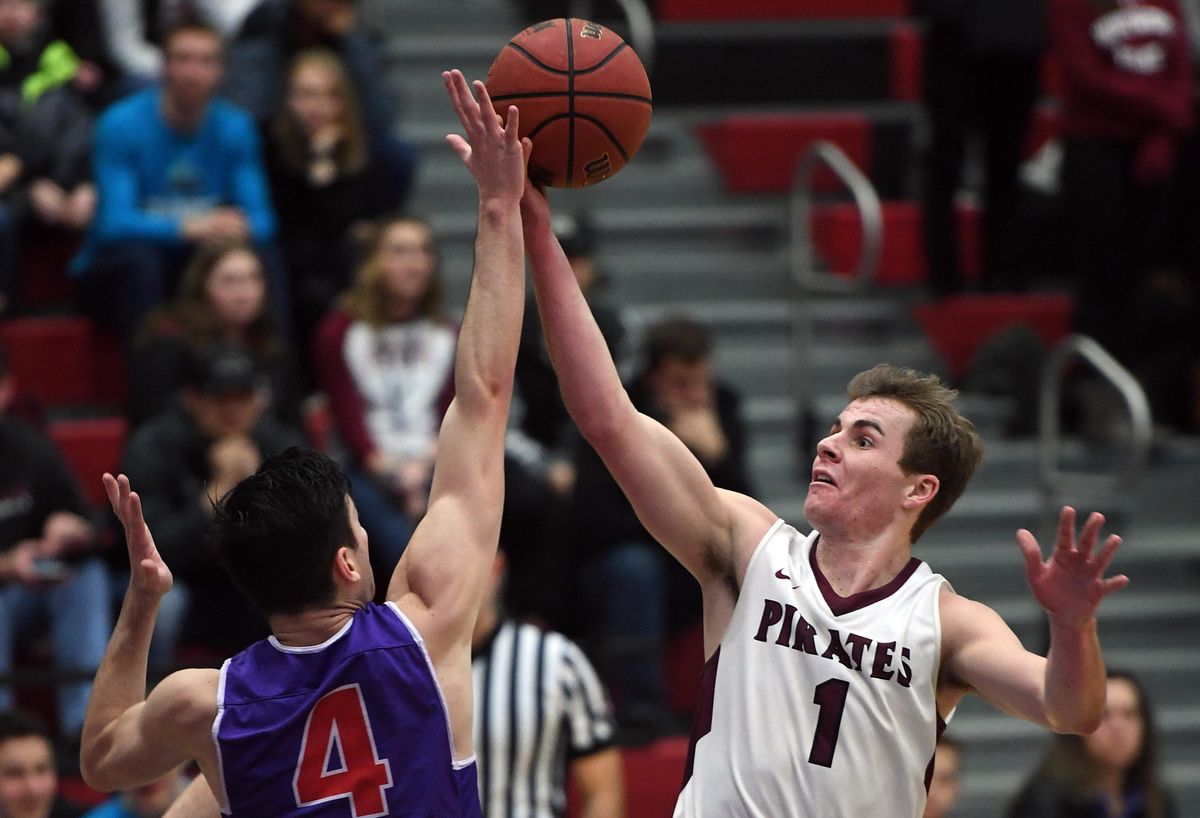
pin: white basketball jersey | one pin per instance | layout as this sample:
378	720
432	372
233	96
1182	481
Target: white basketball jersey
821	706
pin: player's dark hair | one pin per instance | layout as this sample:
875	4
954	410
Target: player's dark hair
679	338
941	442
1068	764
277	531
19	724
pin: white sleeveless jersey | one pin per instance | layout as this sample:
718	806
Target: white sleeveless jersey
821	706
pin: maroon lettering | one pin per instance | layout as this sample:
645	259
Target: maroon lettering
857	645
772	613
835	649
883	658
904	676
785	633
805	637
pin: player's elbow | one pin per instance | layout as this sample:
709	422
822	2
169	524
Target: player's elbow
1081	722
94	769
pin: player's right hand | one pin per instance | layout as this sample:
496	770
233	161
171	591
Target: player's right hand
147	571
491	150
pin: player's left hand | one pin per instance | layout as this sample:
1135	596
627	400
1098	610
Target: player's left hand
148	572
1070	585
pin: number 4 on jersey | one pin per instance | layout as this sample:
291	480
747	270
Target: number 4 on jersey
339	722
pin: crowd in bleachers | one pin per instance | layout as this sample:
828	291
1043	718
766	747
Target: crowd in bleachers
218	187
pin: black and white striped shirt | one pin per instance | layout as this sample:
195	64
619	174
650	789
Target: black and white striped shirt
538	704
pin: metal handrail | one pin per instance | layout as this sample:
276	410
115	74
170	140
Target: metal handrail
804	270
641	26
1055	482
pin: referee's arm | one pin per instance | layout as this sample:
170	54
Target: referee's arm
595	763
600	783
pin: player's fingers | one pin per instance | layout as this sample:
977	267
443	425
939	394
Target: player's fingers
112	490
1091	531
451	79
1066	529
512	126
136	520
460	146
492	124
1107	553
1113	584
1031	551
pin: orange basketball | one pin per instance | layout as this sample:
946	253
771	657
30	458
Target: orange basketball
583	95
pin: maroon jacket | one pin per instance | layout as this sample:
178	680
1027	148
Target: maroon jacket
1127	71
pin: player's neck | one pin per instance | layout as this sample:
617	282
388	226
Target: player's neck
854	565
312	627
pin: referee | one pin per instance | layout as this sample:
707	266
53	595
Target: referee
540	712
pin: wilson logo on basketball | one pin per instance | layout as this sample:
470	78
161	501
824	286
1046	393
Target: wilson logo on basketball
591	30
597	169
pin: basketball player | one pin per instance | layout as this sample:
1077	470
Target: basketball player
834	657
349	709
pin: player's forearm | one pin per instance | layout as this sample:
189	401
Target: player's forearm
121	679
487	343
591	386
1075	678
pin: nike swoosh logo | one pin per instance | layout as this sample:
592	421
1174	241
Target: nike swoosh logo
780	575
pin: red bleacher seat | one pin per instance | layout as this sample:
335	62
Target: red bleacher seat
758	153
837	233
956	326
907	52
64	361
678	10
91	447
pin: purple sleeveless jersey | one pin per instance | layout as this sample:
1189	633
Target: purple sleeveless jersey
352	728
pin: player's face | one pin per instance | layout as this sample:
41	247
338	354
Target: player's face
857	486
192	67
236	289
943	787
406	261
1116	743
27	778
313	98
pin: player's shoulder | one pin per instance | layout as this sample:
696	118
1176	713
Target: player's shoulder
963	617
187	698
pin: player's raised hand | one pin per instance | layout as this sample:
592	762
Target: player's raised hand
1070	585
148	572
491	149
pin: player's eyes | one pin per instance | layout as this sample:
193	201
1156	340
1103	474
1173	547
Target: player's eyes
864	442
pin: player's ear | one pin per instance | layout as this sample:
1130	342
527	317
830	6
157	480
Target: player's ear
922	489
345	566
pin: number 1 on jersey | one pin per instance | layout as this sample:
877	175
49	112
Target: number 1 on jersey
338	722
830	697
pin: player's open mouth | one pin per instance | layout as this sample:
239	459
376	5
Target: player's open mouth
822	477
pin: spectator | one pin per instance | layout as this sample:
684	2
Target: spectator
982	76
542	442
276	32
385	357
187	458
45	131
222	297
1127	92
147	801
28	777
639	591
562	708
943	786
175	168
1112	772
48	568
317	164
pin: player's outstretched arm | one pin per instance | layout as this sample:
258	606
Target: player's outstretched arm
129	739
1064	691
667	486
439	581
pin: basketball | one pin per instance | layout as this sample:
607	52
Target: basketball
583	95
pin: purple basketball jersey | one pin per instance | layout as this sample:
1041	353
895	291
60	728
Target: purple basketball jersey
353	728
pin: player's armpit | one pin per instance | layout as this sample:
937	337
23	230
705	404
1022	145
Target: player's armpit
981	653
173	725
